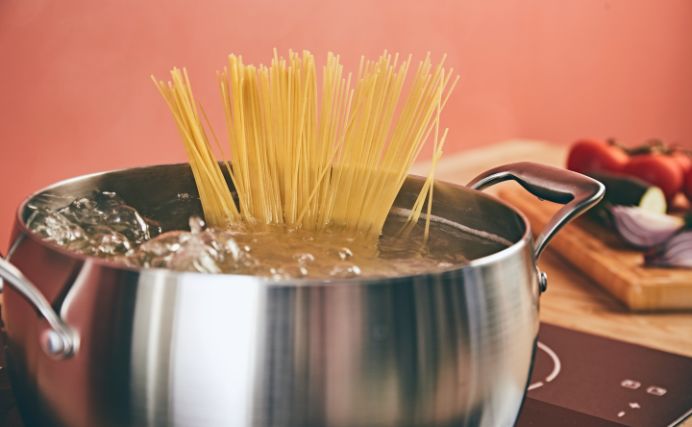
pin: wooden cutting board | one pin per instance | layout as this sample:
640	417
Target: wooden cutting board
600	254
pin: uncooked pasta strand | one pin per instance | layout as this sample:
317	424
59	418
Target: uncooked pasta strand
310	153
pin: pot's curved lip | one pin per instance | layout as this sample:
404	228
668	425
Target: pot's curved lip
493	258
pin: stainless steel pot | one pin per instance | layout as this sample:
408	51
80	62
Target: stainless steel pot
94	344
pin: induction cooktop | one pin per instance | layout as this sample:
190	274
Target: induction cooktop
586	380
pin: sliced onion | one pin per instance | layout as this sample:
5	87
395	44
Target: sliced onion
675	252
643	228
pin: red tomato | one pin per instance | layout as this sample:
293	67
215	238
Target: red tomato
590	155
683	160
687	186
659	170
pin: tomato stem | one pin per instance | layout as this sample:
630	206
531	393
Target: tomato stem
650	146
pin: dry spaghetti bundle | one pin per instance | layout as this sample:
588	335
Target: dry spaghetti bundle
312	152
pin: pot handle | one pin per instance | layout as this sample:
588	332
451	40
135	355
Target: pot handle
576	191
60	341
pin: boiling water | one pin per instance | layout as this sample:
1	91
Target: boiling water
103	225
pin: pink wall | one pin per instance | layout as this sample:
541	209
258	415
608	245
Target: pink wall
75	95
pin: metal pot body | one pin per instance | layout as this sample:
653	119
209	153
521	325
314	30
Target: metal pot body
160	348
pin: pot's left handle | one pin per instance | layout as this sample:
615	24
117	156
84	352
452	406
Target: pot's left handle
60	341
576	191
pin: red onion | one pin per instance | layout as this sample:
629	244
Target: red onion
675	252
642	228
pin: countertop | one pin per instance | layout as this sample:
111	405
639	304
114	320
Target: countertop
571	300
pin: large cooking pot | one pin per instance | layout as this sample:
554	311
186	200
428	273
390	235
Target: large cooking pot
95	344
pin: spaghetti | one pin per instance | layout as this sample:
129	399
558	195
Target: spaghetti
309	155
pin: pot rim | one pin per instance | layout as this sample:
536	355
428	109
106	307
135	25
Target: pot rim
493	258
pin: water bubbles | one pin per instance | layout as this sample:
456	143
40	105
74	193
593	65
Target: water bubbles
194	255
344	253
101	224
346	271
231	247
110	242
54	227
201	250
279	273
196	224
107	209
304	258
158	252
128	221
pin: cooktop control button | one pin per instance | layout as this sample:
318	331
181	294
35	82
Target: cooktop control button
656	391
630	384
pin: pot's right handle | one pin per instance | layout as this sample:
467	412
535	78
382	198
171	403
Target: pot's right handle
60	341
576	191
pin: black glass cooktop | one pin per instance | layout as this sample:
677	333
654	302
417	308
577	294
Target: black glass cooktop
586	380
